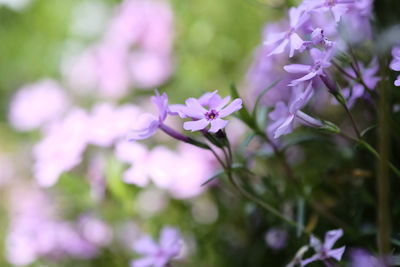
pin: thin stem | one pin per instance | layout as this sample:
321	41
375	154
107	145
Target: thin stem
343	71
217	157
353	122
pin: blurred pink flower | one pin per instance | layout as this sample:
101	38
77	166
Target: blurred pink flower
61	147
101	70
36	104
108	123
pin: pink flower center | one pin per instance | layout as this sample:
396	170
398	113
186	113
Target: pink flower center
211	115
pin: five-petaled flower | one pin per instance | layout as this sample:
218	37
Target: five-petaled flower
217	109
324	250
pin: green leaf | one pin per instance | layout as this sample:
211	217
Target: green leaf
365	131
212	178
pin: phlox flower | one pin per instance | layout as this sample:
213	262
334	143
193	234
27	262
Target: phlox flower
147	123
361	258
336	7
395	64
283	116
158	255
35	105
324	250
368	75
321	61
202	117
280	41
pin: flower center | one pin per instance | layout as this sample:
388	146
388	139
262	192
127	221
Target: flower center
211	115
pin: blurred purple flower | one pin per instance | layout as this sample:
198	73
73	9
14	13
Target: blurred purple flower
397	81
148	123
158	255
321	61
362	258
276	238
368	75
324	250
37	104
217	109
395	63
280	41
283	116
336	7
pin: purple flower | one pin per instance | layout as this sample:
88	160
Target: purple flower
276	238
361	258
324	251
284	116
397	81
395	64
321	61
297	18
368	75
217	109
158	255
336	7
148	123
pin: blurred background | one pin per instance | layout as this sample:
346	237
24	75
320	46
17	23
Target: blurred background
71	192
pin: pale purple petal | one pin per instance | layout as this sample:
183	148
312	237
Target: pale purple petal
161	101
280	48
285	128
336	253
147	126
274	37
170	241
397	82
395	64
145	246
205	98
195	125
217	125
216	102
331	237
300	99
297	68
338	10
304	78
295	43
194	109
281	110
231	108
177	109
315	243
136	175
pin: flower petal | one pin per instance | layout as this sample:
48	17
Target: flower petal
145	245
217	125
336	253
280	48
397	82
285	128
232	107
297	68
331	237
194	109
146	127
195	125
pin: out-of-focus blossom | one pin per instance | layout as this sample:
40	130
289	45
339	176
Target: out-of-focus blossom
368	75
217	109
324	250
276	238
15	4
357	21
96	176
148	124
283	116
61	148
397	81
95	231
158	255
297	18
362	258
139	157
395	63
100	70
36	232
37	104
336	7
321	61
109	123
